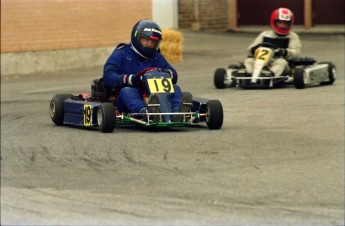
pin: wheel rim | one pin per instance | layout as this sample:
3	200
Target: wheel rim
208	114
99	117
227	78
305	78
52	109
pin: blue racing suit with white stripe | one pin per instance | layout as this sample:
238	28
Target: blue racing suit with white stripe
123	62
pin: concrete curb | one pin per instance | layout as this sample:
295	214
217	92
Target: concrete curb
56	60
321	29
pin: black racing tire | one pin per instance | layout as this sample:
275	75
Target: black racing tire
56	108
279	84
298	78
219	77
186	93
332	70
214	118
106	118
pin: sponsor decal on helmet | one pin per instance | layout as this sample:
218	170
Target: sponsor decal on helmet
284	14
153	30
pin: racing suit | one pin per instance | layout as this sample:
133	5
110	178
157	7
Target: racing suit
278	66
125	61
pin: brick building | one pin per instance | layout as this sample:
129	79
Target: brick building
204	14
36	25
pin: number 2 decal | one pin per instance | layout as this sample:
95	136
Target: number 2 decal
87	115
160	85
261	54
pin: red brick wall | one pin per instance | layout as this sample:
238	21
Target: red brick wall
212	14
32	25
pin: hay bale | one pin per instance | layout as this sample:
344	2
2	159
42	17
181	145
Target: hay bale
171	45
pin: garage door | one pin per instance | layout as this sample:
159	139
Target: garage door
258	12
328	12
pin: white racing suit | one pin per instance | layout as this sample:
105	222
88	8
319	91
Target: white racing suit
279	65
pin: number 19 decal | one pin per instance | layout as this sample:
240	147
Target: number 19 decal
87	115
160	85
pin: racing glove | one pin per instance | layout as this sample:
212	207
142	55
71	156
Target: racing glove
132	80
281	52
136	80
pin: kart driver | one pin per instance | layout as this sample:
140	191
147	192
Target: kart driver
287	41
125	67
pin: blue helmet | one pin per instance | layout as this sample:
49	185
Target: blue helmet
149	31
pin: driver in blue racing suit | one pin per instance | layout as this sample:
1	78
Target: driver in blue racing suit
126	65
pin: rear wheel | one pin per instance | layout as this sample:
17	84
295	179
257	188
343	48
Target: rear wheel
106	118
186	93
214	118
56	108
332	73
299	78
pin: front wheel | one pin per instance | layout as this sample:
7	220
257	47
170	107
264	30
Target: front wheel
106	118
56	108
299	78
214	118
219	78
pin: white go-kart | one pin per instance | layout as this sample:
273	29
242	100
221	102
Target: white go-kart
303	72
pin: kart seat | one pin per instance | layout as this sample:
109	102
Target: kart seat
100	92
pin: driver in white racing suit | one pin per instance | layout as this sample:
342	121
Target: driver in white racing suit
287	41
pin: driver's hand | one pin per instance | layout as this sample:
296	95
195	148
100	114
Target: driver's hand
132	80
281	52
135	80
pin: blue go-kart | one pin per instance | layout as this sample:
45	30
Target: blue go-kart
97	110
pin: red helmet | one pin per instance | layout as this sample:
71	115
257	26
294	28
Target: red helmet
282	20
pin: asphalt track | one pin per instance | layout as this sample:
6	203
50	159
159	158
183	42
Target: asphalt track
278	159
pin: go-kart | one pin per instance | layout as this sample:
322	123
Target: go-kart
97	110
303	72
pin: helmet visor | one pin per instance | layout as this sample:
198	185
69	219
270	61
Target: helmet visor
282	24
150	42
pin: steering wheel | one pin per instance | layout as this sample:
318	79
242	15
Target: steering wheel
268	45
142	72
